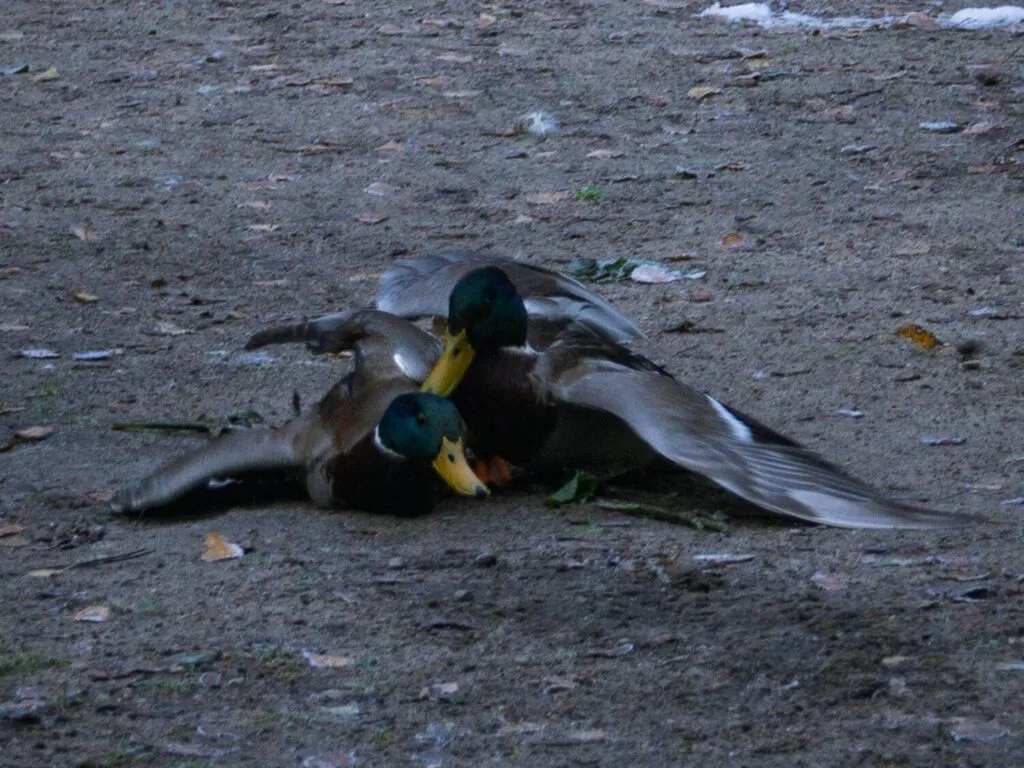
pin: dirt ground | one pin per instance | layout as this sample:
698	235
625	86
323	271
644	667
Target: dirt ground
189	172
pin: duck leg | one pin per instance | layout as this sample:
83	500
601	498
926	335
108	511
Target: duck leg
228	455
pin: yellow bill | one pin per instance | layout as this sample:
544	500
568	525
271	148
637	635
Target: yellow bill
451	366
450	463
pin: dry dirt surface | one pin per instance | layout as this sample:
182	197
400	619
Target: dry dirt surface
176	175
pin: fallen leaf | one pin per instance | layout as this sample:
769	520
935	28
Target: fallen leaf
264	227
920	336
439	691
167	328
323	661
47	76
655	273
216	547
34	434
979	129
587	736
99	497
38	354
10	529
433	82
919	20
547	198
722	558
372	217
485	20
605	154
455	58
86	298
45	573
380	189
6	272
934	441
702	92
94	613
830	582
391	148
841	113
734	240
85	234
966	729
912	249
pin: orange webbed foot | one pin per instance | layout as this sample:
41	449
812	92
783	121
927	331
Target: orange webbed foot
493	470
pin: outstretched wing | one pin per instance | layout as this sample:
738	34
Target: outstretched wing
420	288
384	344
699	433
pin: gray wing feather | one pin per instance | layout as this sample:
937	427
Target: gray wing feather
698	433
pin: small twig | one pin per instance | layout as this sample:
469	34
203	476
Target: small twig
106	559
652	512
163	426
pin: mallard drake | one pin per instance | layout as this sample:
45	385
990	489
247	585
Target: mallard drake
556	391
373	442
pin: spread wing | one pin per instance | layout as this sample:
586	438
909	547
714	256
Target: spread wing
702	434
384	344
420	288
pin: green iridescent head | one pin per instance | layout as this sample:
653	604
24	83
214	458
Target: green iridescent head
487	306
424	427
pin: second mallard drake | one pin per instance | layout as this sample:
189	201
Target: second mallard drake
373	442
562	392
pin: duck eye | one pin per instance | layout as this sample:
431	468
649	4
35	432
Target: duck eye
421	418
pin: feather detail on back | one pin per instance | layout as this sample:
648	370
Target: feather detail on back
420	288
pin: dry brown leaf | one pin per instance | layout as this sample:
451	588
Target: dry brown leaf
372	217
919	335
979	129
703	92
485	20
34	434
94	613
85	298
99	497
606	153
10	529
264	227
324	661
391	148
216	547
546	198
85	234
734	240
6	272
433	82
